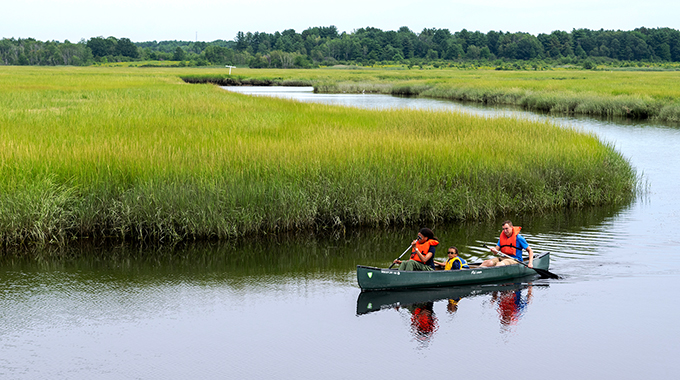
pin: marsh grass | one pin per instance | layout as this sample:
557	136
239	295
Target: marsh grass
240	80
641	95
137	154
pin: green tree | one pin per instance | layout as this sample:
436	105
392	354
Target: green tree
179	55
258	62
218	54
126	48
51	54
22	59
485	53
473	52
102	47
580	52
493	39
528	47
455	51
241	43
302	62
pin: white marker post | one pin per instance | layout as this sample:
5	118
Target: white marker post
230	67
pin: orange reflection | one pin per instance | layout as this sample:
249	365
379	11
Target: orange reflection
511	305
424	322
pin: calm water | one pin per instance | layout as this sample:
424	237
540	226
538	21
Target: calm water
289	307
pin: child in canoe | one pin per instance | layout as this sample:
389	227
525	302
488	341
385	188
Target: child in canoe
454	262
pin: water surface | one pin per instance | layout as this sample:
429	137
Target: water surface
289	307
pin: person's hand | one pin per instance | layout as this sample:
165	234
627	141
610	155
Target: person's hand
414	242
531	265
397	261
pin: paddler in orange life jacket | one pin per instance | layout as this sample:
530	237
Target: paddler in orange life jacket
510	243
422	252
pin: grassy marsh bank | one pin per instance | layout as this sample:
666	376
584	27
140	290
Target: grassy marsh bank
138	154
653	95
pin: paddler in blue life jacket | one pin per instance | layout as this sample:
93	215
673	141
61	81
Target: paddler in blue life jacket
454	262
422	253
511	243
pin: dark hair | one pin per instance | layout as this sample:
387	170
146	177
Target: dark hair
428	233
509	223
454	248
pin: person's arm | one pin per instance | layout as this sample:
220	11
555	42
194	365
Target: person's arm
439	263
522	244
529	293
424	257
495	250
531	257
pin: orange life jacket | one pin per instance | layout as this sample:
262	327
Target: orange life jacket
424	248
509	244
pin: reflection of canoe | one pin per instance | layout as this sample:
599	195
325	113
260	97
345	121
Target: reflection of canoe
375	301
370	278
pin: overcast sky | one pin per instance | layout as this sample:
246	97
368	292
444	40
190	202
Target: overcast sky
209	20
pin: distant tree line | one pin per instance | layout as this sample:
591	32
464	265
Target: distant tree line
370	45
33	52
365	46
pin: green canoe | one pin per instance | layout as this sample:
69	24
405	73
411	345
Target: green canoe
370	278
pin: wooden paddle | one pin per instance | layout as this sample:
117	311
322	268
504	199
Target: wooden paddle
398	258
544	273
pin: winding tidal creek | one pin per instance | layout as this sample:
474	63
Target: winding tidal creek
289	307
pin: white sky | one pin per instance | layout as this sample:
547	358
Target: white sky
209	20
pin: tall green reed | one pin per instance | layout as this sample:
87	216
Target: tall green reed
131	154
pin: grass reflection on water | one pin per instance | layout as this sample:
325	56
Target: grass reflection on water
306	253
333	257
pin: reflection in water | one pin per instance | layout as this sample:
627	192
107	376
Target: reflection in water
295	256
567	234
511	305
452	305
423	322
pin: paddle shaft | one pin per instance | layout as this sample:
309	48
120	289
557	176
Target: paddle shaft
400	256
542	272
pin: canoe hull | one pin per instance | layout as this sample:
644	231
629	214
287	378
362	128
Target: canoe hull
369	302
370	278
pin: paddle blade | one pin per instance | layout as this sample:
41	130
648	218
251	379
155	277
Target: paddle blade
546	274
